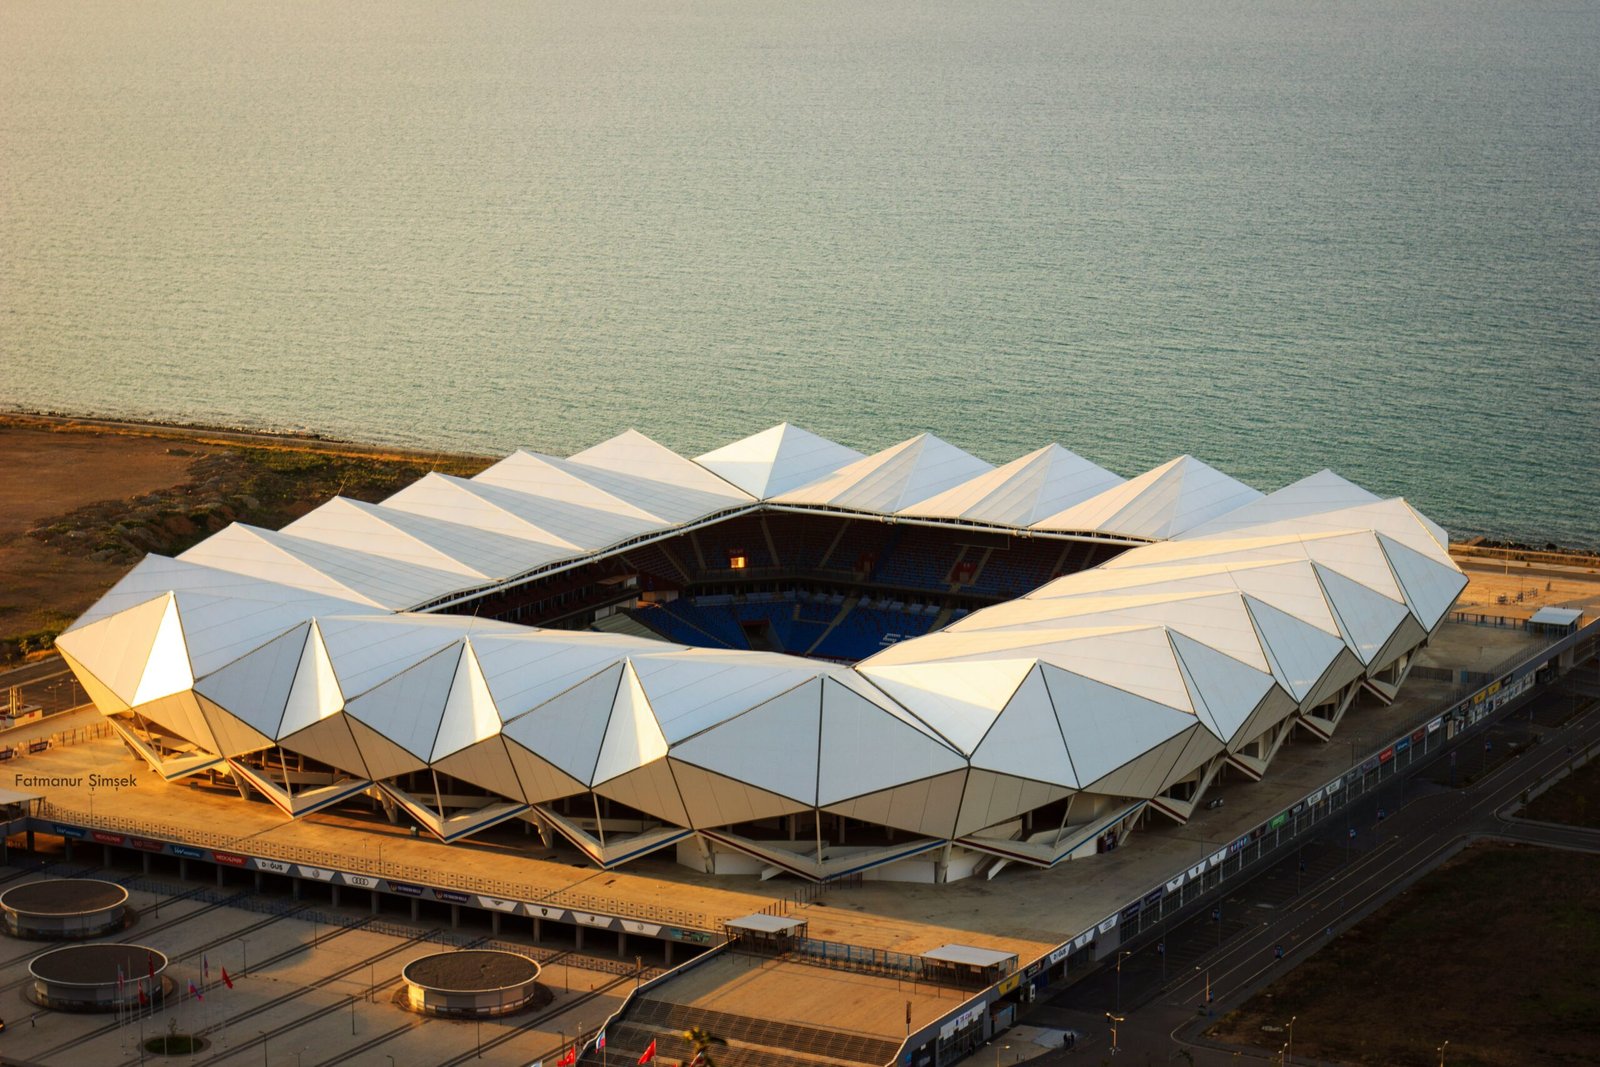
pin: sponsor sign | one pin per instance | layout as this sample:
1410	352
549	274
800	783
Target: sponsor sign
274	866
960	1022
695	937
406	890
1436	724
634	926
361	881
496	903
7	753
1278	820
70	831
146	845
1033	968
1107	925
229	859
450	896
1082	940
545	912
106	838
1131	912
1152	898
1419	735
1009	984
1177	883
1401	745
1316	797
38	746
316	874
591	920
1058	955
1386	755
189	852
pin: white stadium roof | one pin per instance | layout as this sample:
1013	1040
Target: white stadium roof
1236	613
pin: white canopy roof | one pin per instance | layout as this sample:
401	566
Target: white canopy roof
1023	492
894	479
1120	680
777	460
1158	504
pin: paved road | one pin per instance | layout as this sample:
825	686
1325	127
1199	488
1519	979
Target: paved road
47	683
1327	886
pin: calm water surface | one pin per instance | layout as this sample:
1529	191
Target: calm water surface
1278	236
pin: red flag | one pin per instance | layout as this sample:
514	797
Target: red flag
150	961
195	993
569	1057
649	1052
144	999
225	979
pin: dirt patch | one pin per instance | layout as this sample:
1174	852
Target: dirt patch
1494	951
81	503
1575	800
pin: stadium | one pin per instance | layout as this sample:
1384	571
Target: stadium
779	657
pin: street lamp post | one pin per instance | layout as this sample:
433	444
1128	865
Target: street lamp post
1114	1020
1441	1051
1289	1046
244	949
1120	957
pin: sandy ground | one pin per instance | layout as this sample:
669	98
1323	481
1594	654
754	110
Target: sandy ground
51	466
45	473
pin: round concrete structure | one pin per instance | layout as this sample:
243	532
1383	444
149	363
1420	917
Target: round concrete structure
85	977
470	982
64	909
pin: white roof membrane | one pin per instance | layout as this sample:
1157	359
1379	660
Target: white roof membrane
777	460
1023	492
896	478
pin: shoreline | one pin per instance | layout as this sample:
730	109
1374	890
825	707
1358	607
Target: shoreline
1480	546
207	434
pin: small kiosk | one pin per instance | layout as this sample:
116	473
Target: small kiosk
967	966
767	934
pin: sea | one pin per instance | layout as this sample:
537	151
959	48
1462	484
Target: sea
1278	236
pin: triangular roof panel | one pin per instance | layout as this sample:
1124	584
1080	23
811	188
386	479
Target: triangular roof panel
633	736
656	479
696	689
255	687
115	649
408	707
774	743
1367	619
865	749
1225	690
1430	587
895	478
1023	492
1106	727
567	730
1158	504
1312	495
1025	740
959	700
777	460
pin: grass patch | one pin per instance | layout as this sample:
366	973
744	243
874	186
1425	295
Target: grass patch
1575	800
1495	951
